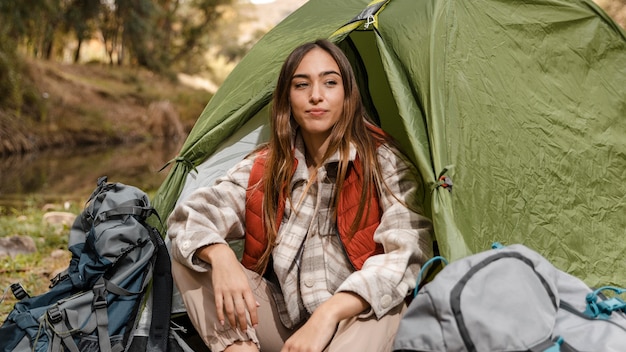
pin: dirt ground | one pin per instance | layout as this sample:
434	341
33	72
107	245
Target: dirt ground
99	104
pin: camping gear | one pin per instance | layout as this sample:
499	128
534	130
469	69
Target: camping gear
510	299
518	104
94	303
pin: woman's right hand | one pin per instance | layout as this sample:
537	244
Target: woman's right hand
233	295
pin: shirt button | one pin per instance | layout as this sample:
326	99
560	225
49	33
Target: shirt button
308	282
385	301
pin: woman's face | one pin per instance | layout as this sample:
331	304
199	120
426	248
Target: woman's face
316	94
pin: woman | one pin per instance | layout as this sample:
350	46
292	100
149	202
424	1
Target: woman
332	247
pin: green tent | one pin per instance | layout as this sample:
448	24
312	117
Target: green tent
521	104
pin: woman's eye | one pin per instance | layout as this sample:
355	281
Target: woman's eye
331	83
300	85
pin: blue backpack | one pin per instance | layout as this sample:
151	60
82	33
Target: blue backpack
94	303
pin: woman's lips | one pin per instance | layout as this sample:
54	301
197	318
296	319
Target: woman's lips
317	112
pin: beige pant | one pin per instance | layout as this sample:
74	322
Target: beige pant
352	334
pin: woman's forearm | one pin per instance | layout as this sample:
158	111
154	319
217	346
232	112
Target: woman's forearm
342	305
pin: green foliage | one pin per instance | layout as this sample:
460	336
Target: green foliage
156	34
9	84
16	93
10	96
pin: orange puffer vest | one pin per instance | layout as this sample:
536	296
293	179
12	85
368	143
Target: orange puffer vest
358	248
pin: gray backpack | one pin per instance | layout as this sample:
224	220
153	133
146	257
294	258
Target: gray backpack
511	299
93	305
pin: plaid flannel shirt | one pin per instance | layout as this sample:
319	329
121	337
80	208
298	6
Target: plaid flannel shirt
309	259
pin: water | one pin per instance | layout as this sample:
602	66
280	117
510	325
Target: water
70	174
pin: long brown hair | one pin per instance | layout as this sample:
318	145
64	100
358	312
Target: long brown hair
352	127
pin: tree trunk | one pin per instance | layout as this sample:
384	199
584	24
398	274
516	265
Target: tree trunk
77	53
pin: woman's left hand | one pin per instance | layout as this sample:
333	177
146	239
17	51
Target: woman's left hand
319	330
313	336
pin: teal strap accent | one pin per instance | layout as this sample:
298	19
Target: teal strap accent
603	309
428	263
497	245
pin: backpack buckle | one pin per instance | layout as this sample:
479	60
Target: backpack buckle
146	212
602	309
54	315
58	277
19	292
99	296
99	303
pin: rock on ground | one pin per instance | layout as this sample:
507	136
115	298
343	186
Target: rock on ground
14	245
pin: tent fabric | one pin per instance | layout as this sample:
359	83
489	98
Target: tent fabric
522	104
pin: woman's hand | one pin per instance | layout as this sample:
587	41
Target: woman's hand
313	336
233	296
317	332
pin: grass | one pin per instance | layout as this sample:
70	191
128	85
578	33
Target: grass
33	270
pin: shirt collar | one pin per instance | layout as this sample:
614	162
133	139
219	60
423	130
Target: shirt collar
302	172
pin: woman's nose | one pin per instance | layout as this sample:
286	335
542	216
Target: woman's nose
316	93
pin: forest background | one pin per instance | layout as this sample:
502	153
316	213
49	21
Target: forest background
100	73
85	75
54	53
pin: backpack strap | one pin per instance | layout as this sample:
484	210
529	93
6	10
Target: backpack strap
424	269
102	318
61	334
102	184
553	345
141	212
162	285
546	346
565	347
